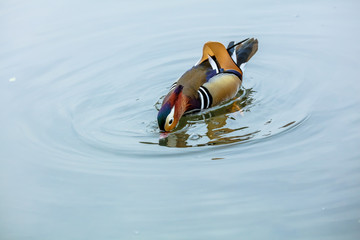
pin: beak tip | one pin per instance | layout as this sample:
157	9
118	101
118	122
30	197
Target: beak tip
164	135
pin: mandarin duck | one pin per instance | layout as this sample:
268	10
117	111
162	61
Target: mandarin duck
215	78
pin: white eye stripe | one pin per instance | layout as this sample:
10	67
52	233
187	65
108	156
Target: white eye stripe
170	117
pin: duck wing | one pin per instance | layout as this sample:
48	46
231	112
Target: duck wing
217	76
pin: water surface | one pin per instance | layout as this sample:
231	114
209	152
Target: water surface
81	154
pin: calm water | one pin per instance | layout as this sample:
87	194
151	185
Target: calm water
81	155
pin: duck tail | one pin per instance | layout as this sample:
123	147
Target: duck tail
243	51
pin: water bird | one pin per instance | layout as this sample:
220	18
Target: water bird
215	78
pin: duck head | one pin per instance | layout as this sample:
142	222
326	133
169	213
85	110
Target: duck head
172	109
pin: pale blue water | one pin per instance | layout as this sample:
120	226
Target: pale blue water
81	158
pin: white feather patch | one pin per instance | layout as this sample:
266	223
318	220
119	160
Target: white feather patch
170	116
234	57
201	100
213	64
242	67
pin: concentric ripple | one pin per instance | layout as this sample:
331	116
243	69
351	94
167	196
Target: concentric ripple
112	110
261	109
109	103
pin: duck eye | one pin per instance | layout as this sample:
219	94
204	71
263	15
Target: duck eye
170	121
